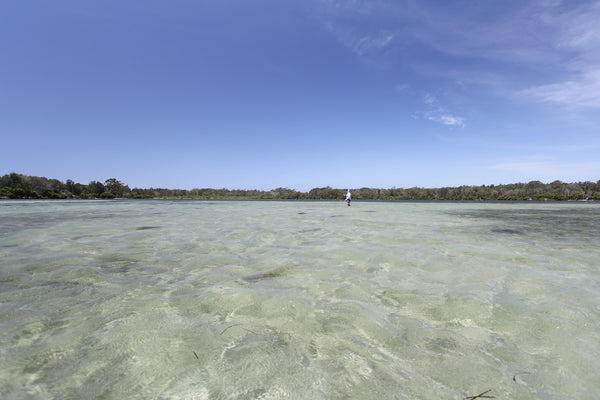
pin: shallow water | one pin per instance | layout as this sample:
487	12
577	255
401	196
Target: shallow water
299	300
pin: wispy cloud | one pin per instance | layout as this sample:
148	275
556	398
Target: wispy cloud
358	25
401	87
363	44
429	99
550	42
438	113
447	119
369	44
577	33
582	92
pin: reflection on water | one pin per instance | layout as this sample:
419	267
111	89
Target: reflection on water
316	300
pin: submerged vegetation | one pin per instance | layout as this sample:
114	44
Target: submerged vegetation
17	186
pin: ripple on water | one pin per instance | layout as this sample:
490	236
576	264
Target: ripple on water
167	299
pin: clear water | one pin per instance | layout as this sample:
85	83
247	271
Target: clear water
299	300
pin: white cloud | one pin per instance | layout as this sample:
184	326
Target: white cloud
578	28
370	44
363	44
577	33
552	42
448	119
361	26
429	99
581	92
438	113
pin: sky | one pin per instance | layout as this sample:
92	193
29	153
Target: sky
244	94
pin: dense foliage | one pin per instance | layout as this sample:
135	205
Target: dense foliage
17	186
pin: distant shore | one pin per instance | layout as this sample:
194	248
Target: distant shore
18	186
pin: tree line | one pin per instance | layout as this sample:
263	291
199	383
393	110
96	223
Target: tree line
18	186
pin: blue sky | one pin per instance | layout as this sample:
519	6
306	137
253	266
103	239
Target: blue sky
301	94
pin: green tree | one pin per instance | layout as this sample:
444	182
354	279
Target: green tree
587	188
117	188
12	193
326	193
535	187
575	195
279	193
550	196
95	188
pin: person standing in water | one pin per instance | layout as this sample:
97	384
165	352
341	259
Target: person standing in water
348	197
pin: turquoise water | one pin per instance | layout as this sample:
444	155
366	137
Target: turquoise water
299	300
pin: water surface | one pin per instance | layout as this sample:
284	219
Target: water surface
299	300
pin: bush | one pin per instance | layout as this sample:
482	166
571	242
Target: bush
512	197
13	193
550	196
49	194
107	195
5	192
575	195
